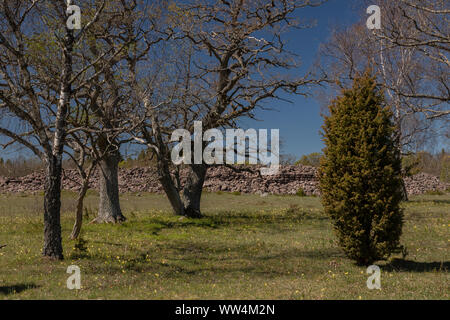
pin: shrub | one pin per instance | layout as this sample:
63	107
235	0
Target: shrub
360	174
236	193
301	193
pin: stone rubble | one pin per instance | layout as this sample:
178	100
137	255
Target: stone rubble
220	178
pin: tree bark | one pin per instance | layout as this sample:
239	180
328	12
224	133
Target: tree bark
52	195
76	230
188	203
79	214
192	191
185	204
52	205
171	190
109	210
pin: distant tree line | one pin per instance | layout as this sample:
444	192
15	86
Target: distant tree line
19	167
437	164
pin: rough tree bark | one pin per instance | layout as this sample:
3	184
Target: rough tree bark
109	210
52	205
171	190
192	191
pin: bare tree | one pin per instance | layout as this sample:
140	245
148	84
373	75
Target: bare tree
100	93
81	155
234	53
31	115
105	95
417	34
421	25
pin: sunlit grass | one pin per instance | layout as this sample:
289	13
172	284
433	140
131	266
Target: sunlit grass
246	247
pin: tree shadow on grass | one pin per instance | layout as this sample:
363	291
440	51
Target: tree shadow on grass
414	266
6	290
286	215
155	225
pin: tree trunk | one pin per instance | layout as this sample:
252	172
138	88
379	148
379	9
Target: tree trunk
192	191
109	206
172	192
79	214
52	207
187	204
404	191
80	201
398	141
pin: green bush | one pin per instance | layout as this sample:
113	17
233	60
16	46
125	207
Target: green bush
301	193
236	193
360	174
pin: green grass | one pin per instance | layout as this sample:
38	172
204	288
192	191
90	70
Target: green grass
246	247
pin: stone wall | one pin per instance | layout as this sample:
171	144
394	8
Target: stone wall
289	180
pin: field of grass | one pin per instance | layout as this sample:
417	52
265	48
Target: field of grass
246	247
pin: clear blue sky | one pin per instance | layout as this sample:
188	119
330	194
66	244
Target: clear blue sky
300	122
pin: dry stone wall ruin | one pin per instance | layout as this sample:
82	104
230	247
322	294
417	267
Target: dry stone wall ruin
288	181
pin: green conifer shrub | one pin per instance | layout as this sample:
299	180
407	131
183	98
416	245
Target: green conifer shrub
360	173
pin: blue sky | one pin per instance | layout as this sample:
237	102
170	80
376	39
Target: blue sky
300	122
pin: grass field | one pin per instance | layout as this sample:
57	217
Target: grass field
247	247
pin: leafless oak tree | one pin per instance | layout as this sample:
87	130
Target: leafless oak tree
234	53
